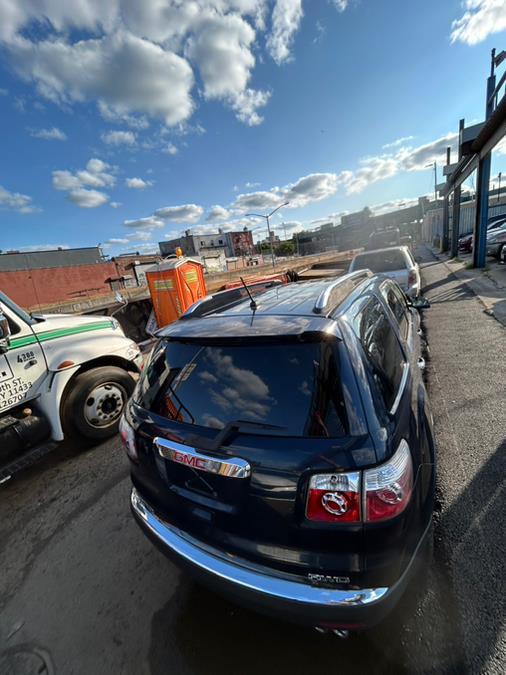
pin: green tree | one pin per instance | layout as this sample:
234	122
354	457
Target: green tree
285	248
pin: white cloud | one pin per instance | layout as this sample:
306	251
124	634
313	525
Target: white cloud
136	60
312	188
53	134
38	247
222	52
126	73
3	92
186	213
170	149
286	18
119	138
150	223
116	240
139	235
340	5
400	141
64	180
251	186
481	19
373	169
133	121
137	183
15	201
87	199
305	190
217	213
115	205
393	205
95	175
500	148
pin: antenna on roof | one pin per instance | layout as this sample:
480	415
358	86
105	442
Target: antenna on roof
252	304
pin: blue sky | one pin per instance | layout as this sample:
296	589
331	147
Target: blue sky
126	123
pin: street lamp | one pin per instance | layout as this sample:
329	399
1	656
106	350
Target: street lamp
266	217
434	166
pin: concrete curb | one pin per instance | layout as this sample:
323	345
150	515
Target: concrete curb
490	293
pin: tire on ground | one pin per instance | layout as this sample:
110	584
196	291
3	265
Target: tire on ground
74	419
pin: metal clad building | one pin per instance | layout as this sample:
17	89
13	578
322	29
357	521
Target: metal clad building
12	262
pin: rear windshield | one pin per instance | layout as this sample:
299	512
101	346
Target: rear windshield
379	239
292	386
380	261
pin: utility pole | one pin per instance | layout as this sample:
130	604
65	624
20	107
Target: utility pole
266	217
456	203
483	182
446	211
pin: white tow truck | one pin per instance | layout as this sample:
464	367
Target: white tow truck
61	376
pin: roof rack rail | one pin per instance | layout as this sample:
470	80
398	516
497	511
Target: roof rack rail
338	290
223	299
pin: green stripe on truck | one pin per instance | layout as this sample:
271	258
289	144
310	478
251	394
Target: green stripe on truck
44	336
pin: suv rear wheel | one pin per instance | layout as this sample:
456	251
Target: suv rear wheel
96	401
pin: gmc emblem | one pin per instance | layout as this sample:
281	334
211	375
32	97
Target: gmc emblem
190	460
232	467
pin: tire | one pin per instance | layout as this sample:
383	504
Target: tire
500	252
95	402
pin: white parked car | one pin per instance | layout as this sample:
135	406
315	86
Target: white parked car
396	262
61	375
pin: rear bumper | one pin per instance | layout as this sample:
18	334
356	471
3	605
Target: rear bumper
260	589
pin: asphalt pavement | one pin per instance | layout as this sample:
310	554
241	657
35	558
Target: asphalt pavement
83	591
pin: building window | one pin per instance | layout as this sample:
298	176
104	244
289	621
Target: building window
202	243
221	241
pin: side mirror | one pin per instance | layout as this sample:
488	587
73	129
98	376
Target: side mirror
419	303
5	334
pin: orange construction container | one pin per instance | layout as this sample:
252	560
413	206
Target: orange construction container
174	285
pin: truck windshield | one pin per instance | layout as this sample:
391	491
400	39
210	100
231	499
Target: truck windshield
296	387
4	300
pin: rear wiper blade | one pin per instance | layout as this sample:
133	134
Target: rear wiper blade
229	429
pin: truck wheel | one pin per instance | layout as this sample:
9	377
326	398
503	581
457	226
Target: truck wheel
96	400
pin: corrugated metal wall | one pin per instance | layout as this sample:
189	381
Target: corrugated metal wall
50	259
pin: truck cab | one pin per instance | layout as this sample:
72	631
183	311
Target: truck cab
61	376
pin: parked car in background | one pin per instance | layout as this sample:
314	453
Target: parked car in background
383	238
496	241
396	262
466	242
281	448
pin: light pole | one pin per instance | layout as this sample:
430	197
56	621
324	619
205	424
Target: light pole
434	165
266	217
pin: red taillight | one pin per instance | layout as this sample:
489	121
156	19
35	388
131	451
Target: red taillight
128	437
334	498
388	487
411	278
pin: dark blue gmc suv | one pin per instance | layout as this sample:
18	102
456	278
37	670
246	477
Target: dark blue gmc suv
281	447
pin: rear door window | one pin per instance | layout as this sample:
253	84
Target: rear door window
381	261
382	350
296	387
395	300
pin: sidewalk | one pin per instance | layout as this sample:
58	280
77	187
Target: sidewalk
467	385
489	284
